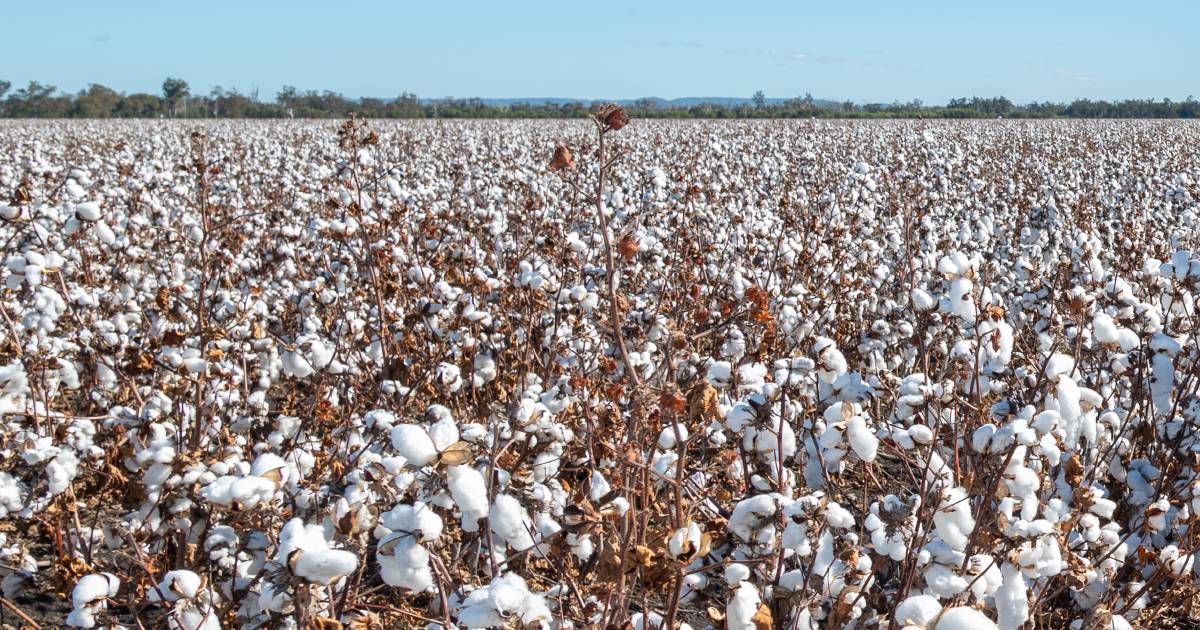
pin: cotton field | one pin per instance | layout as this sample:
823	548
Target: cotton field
599	374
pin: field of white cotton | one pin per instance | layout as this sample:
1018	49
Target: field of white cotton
600	374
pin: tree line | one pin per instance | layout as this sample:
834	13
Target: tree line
176	100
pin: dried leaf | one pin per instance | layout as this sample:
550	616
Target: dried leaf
762	619
457	453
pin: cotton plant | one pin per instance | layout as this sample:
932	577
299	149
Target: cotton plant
393	373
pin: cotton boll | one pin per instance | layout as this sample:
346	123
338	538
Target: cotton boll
742	607
90	596
953	519
417	520
404	563
1012	603
510	522
414	444
324	566
87	211
176	585
922	301
862	440
964	618
917	610
684	542
736	574
469	491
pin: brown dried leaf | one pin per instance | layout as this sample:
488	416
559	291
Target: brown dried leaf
457	453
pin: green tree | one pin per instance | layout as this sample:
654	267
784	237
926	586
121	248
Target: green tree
97	101
174	91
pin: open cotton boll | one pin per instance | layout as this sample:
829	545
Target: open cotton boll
1012	599
87	211
176	585
93	587
740	611
953	521
404	563
306	551
963	618
684	541
666	437
324	566
417	520
414	444
862	439
444	431
90	596
736	573
917	610
720	374
239	493
469	491
509	521
922	301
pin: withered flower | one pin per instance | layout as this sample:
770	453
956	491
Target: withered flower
562	158
613	116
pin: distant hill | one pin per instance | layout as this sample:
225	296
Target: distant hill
687	101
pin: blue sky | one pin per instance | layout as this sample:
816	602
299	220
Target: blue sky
867	51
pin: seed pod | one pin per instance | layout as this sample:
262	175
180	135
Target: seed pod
562	158
616	118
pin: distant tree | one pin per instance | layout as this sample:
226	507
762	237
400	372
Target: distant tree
139	106
32	100
97	101
4	85
174	91
760	99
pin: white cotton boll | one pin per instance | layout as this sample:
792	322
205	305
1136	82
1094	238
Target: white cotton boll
917	610
742	607
920	434
736	573
1176	561
1012	599
962	299
862	439
417	520
444	432
90	596
1162	381
414	444
1105	329
964	618
1058	365
404	563
296	365
469	491
598	486
176	585
266	463
953	520
87	211
720	374
509	521
666	437
325	566
684	542
831	363
838	517
922	300
94	586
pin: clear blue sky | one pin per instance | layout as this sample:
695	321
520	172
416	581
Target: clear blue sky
865	51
